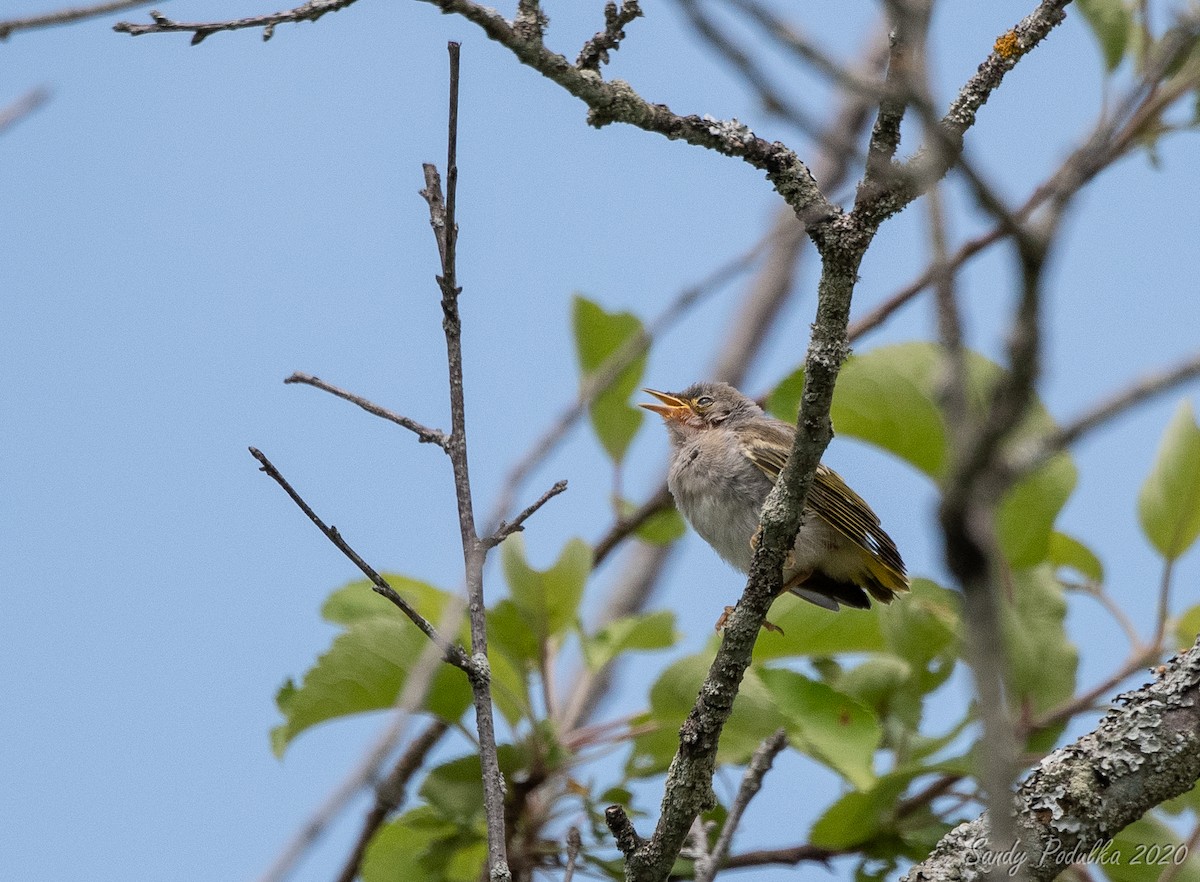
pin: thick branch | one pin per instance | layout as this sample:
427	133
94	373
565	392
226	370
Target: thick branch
1085	793
616	101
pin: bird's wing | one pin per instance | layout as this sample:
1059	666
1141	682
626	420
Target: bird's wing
846	511
833	501
768	447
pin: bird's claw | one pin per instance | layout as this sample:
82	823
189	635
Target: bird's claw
719	627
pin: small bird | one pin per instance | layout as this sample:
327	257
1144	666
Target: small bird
726	456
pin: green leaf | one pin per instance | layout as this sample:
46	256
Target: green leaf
1027	514
826	724
811	630
646	631
548	598
889	397
1187	627
859	816
661	528
364	670
1110	21
923	624
884	398
1169	504
1144	849
672	696
875	680
1185	802
600	335
455	789
357	601
1042	660
401	848
1067	551
509	633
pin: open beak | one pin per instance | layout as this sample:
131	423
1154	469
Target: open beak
672	407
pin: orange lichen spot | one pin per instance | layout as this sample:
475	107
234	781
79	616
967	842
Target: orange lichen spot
1007	45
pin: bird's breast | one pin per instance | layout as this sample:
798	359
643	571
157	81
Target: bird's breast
720	493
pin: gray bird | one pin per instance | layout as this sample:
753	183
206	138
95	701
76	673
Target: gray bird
726	455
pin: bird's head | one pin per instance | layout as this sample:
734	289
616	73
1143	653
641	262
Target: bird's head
702	406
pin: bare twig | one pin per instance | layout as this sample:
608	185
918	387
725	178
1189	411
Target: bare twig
949	323
661	501
746	63
22	107
66	16
624	834
574	843
445	228
424	434
861	84
595	51
451	652
1188	848
760	764
796	854
309	11
506	528
1140	392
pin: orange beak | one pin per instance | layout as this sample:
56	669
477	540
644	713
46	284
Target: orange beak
672	407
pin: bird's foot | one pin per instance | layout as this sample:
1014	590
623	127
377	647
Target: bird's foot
788	562
719	627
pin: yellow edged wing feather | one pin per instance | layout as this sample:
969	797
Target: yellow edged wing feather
836	504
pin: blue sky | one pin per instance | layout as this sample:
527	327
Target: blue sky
184	227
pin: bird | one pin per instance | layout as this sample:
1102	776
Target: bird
726	455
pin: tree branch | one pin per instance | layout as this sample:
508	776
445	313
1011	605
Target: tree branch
595	51
506	528
66	16
424	434
445	229
22	107
1083	794
760	764
309	11
390	793
616	101
452	653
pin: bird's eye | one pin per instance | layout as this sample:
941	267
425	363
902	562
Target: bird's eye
704	401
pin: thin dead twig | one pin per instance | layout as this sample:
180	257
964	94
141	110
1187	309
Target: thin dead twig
424	434
66	16
310	11
445	227
760	764
452	653
22	107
